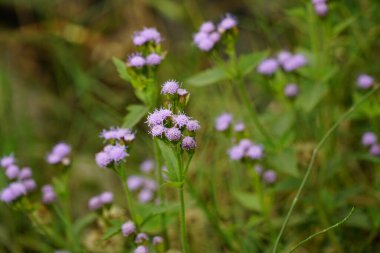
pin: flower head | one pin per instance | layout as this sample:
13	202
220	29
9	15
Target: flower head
207	27
375	150
157	240
151	34
173	134
180	120
255	152
283	56
223	122
103	159
94	203
294	62
236	153
59	152
192	125
141	249
369	138
170	87
25	173
269	176
227	23
153	59
239	127
48	194
12	171
106	198
128	228
268	66
291	90
147	166
157	130
134	182
141	237
7	161
188	143
29	184
321	8
364	81
136	60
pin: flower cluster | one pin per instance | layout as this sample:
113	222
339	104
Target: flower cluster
21	181
320	7
268	176
369	139
97	202
209	33
171	125
116	150
59	154
145	187
364	81
48	194
148	40
224	122
289	62
246	150
128	229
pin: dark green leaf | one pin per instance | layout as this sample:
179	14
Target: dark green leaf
286	162
121	69
310	97
134	115
207	77
81	223
113	230
248	200
169	157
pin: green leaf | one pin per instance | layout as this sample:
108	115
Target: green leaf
169	158
82	222
285	162
310	97
248	62
134	115
208	77
343	25
113	230
248	200
155	210
121	69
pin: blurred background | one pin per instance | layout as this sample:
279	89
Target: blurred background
58	83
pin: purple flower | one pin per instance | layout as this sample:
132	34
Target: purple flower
106	198
364	81
141	249
138	39
149	184
227	23
117	134
318	1
25	173
103	159
198	37
192	125
157	130
145	195
245	144
321	9
206	44
118	153
236	153
214	37
170	87
188	143
136	60
48	194
259	169
375	150
151	34
239	127
157	240
29	184
283	56
47	188
223	122
180	120
7	161
17	189
369	139
294	62
128	228
153	59
267	66
269	176
155	118
207	27
173	134
141	237
12	171
134	182
255	152
182	92
94	203
7	195
291	90
59	152
147	166
164	113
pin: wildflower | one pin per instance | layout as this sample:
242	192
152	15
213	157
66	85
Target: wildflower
198	37
147	166
236	153
151	34
128	228
7	196
12	171
181	120
239	127
207	27
149	184
321	9
227	23
134	182
136	60
173	134
269	176
153	59
245	144
94	203
145	195
25	173
283	56
182	92
291	90
59	153
117	153
141	249
259	169
48	194
375	150
138	39
141	237
157	240
206	44
255	152
192	125
294	62
170	87
364	81
267	66
188	143
214	37
157	130
369	139
106	198
102	159
223	122
29	184
7	161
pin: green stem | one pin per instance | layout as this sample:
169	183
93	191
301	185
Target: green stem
312	160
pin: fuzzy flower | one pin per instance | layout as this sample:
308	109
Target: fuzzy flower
200	36
364	81
147	166
138	39
267	66
128	228
18	189
245	144
157	130
94	203
375	150
7	196
181	120
321	8
141	237
134	182
207	27
173	134
12	171
29	184
369	139
155	118
149	184
255	152
188	143
223	122
214	37
124	134
283	56
145	196
259	169
25	173
157	240
182	92
192	125
269	176
141	249
153	59
117	153
7	161
151	34
170	87
239	127
59	152
206	44
103	159
294	62
291	90
236	153
136	60
48	194
106	198
227	23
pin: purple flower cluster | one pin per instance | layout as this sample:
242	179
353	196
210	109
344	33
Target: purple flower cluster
59	154
100	200
364	81
48	194
209	33
145	36
268	176
116	151
223	122
289	62
128	228
21	181
320	7
369	139
246	150
138	61
145	187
